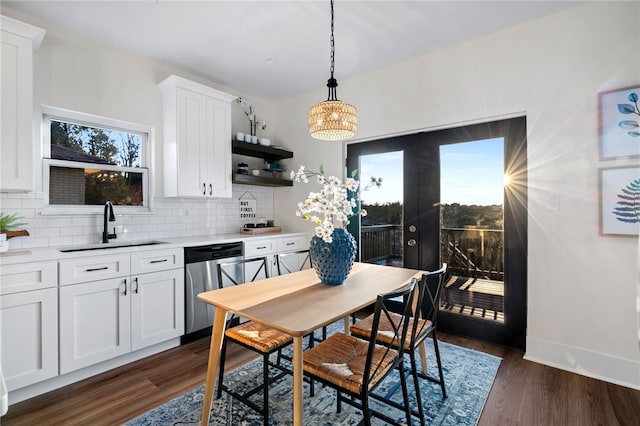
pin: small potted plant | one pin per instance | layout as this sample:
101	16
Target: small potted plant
9	224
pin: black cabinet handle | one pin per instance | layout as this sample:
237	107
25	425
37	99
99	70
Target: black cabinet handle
96	269
158	261
210	189
204	188
135	280
125	287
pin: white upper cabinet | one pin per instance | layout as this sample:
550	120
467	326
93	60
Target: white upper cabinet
197	139
19	40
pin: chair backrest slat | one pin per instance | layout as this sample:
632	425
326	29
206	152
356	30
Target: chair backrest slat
428	298
375	367
235	272
286	268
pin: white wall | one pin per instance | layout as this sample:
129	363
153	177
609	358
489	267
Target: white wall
582	287
78	74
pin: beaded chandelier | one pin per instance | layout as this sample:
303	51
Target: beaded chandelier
332	120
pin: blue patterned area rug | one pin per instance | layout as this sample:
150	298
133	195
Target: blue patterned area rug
468	376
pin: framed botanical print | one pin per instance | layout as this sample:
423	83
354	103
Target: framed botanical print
620	201
619	123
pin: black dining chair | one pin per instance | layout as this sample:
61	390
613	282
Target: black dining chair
292	261
422	325
251	335
355	367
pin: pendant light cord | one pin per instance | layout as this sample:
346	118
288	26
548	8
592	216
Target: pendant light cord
332	83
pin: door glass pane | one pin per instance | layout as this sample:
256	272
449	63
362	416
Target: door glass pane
381	228
472	233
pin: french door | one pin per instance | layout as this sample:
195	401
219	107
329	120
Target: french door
457	196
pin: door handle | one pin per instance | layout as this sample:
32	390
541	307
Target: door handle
124	293
204	188
210	189
411	242
135	291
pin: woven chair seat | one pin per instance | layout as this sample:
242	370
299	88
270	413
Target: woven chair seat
341	358
258	336
385	330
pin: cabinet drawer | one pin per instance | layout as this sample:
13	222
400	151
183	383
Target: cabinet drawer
28	276
258	248
157	260
290	244
75	271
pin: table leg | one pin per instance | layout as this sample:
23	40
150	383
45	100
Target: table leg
219	322
297	381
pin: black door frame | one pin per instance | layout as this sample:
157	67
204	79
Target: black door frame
422	154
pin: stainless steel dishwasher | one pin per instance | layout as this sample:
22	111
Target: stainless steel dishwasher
201	275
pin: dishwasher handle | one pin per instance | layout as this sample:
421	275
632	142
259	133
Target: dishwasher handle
211	252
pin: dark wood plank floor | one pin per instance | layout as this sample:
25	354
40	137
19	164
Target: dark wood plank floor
524	393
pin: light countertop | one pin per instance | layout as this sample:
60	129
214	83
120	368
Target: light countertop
52	253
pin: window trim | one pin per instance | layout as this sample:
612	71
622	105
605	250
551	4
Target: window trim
146	132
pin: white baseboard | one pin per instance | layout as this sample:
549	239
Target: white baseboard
624	372
45	386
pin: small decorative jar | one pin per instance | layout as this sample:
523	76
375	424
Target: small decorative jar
243	169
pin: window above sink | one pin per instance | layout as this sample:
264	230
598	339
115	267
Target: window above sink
89	160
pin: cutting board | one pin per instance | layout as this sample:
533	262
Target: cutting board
260	231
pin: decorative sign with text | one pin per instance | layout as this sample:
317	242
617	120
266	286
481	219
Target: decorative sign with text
248	206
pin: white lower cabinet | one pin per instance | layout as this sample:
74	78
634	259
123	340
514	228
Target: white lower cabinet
103	319
28	323
95	323
29	337
157	308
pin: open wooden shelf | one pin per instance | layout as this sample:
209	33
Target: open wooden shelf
260	151
261	180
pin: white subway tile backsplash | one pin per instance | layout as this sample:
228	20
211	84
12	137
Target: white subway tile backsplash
169	218
10	203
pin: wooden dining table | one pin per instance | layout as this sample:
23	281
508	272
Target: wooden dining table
297	304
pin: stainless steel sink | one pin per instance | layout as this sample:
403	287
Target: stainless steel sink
88	247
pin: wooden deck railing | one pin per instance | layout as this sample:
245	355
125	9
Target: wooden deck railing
473	252
381	243
475	263
469	252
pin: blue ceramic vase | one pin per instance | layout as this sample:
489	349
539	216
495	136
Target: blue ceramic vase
333	261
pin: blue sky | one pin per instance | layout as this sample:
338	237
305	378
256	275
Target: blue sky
471	173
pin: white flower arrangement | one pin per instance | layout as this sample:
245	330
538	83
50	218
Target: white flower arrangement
336	202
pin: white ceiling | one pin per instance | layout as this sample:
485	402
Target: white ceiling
277	49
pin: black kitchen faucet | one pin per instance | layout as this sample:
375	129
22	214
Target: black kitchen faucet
108	215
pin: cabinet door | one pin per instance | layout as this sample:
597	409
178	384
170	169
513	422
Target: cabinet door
94	322
191	133
157	307
16	141
217	148
29	337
